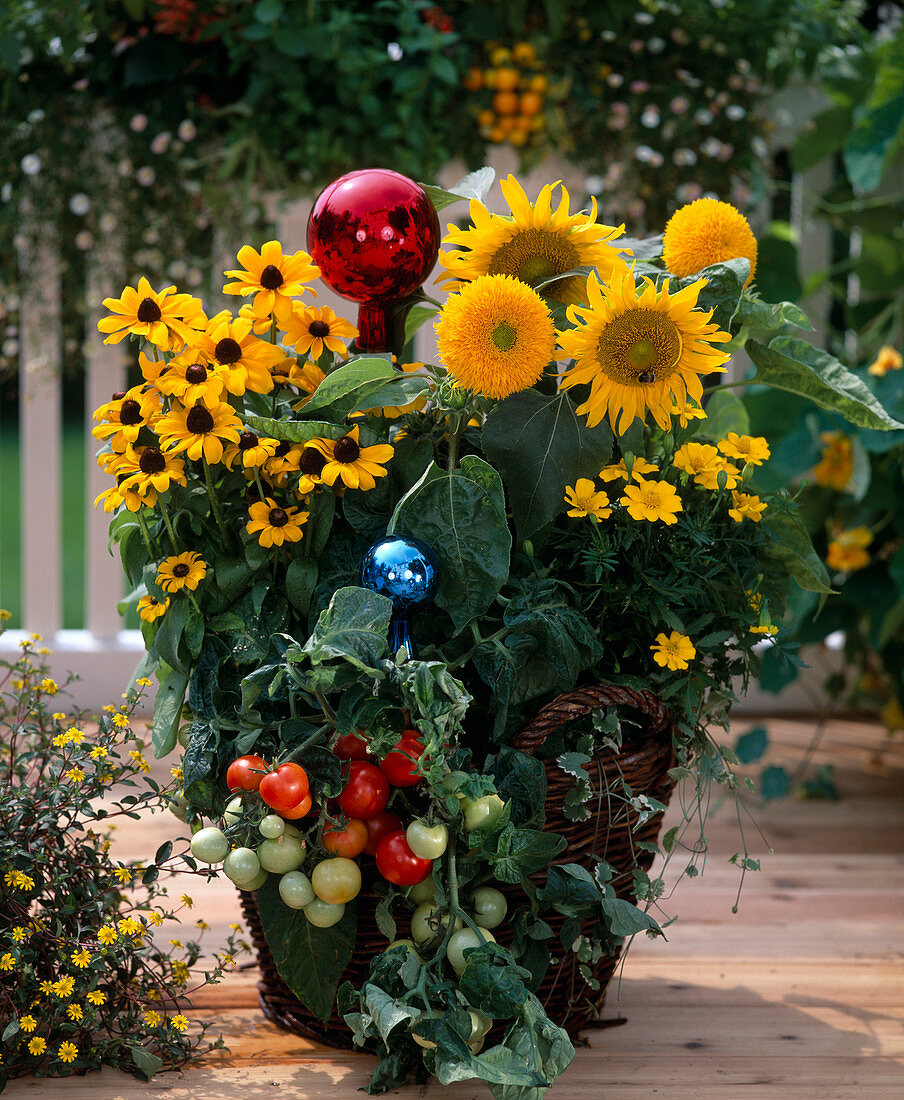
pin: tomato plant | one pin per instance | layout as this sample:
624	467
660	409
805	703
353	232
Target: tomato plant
398	864
400	763
301	810
352	746
378	826
246	773
285	788
209	845
336	880
427	841
366	791
350	841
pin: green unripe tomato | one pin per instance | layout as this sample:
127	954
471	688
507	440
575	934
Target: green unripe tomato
210	845
291	830
336	880
462	941
426	922
242	865
272	826
233	813
178	806
406	943
453	781
427	841
296	890
482	813
322	914
490	907
256	883
183	736
480	1025
284	854
422	891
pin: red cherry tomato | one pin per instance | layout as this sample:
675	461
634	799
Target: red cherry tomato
397	863
348	842
352	746
400	763
285	788
366	791
301	810
246	773
378	826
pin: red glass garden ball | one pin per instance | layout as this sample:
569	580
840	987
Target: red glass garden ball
374	234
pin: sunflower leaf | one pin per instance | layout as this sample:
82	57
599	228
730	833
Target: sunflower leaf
362	384
473	186
294	431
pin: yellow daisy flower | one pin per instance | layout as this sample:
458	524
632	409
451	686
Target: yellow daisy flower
586	501
746	506
64	987
652	500
752	449
49	686
120	494
179	1022
150	608
847	551
619	471
28	1023
639	350
707	232
185	570
888	358
251	450
152	1018
107	935
273	524
75	1012
357	466
686	412
166	319
67	1052
673	651
273	279
37	1046
311	330
97	997
533	244
74	775
19	934
285	460
496	336
836	467
152	470
192	380
123	417
199	430
243	359
7	961
704	463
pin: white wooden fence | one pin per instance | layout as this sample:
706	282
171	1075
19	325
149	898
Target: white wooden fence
101	653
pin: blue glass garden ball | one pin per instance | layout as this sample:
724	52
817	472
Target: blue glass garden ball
404	569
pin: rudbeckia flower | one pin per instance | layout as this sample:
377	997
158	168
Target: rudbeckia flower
199	430
273	279
165	318
310	330
346	459
274	524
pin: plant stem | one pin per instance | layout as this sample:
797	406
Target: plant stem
169	525
731	385
313	739
146	534
454	441
214	503
325	706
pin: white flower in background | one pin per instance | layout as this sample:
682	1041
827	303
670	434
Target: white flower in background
31	164
80	204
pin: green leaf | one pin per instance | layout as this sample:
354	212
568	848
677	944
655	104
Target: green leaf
789	543
473	186
774	782
460	515
520	852
769	316
301	580
310	960
294	431
167	710
646	248
417	316
725	413
795	366
570	889
751	745
363	384
386	1011
354	627
539	444
170	631
9	1031
146	1063
874	140
625	919
521	781
491	984
827	135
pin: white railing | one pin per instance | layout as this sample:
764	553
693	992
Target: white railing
101	653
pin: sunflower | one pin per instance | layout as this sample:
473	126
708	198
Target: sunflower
310	466
233	350
123	417
673	651
166	319
191	380
495	336
181	571
199	430
149	468
273	279
586	501
357	466
310	330
533	244
251	450
652	500
707	232
275	524
150	608
639	350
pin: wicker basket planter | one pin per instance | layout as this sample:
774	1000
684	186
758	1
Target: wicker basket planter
644	768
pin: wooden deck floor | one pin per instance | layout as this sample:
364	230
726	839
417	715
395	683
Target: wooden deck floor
800	994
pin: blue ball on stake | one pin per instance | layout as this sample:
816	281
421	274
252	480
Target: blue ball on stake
407	572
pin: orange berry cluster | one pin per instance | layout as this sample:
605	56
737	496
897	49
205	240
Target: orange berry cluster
515	89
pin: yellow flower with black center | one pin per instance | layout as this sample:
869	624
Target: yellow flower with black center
585	500
149	609
496	336
639	350
746	506
752	449
242	359
533	244
251	450
847	550
191	380
185	570
707	232
148	469
166	319
619	471
273	279
310	467
200	430
285	460
836	467
888	358
673	651
358	467
652	501
123	417
273	524
121	493
311	330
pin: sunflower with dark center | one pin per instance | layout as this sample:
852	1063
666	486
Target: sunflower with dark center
125	415
534	244
358	467
274	524
200	430
150	608
149	468
235	354
285	460
639	350
251	450
185	570
273	279
191	381
312	330
165	318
